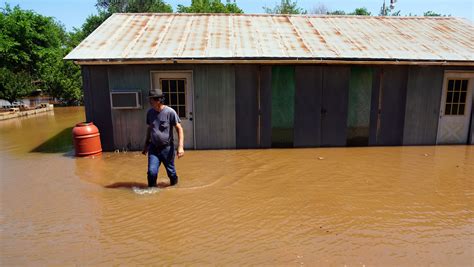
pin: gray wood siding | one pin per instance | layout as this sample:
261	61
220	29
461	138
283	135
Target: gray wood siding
265	106
214	105
374	106
334	105
97	103
246	105
308	89
86	87
130	124
226	104
389	99
424	91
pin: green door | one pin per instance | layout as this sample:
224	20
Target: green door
360	92
283	105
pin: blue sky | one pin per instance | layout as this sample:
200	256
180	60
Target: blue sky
72	13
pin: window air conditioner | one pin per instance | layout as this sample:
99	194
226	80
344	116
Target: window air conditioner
125	100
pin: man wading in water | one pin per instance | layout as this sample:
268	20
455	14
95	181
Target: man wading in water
159	138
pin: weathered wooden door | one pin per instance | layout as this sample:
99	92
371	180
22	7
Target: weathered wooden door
388	106
455	111
334	105
178	90
308	92
321	105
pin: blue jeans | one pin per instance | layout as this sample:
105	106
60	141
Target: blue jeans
156	156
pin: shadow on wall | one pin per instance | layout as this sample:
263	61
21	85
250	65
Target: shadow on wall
60	143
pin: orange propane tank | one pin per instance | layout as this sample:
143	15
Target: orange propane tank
86	139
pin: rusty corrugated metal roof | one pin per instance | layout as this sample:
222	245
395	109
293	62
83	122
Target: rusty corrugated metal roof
128	37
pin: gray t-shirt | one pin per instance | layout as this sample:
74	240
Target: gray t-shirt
162	124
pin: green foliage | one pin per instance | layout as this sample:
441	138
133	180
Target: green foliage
26	39
337	12
362	11
210	6
14	85
134	6
285	7
62	79
32	48
155	6
433	14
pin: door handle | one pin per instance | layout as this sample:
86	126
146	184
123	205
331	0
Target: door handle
191	119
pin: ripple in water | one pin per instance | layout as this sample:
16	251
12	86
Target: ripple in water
145	191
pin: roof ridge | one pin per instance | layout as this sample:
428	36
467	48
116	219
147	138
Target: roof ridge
294	15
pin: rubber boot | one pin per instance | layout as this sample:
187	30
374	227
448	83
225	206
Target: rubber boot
151	181
173	180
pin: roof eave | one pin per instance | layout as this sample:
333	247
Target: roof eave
348	61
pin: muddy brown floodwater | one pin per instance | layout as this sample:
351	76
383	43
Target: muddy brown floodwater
395	206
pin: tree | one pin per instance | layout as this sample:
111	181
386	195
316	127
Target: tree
285	7
210	6
362	11
26	39
337	12
14	85
433	14
32	47
134	6
62	79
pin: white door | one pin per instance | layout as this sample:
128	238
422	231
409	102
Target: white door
177	87
455	112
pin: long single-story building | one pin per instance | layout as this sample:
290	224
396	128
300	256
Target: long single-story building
261	81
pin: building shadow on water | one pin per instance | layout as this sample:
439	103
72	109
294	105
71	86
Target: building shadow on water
134	184
60	143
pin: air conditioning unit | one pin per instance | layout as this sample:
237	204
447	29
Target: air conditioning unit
125	100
